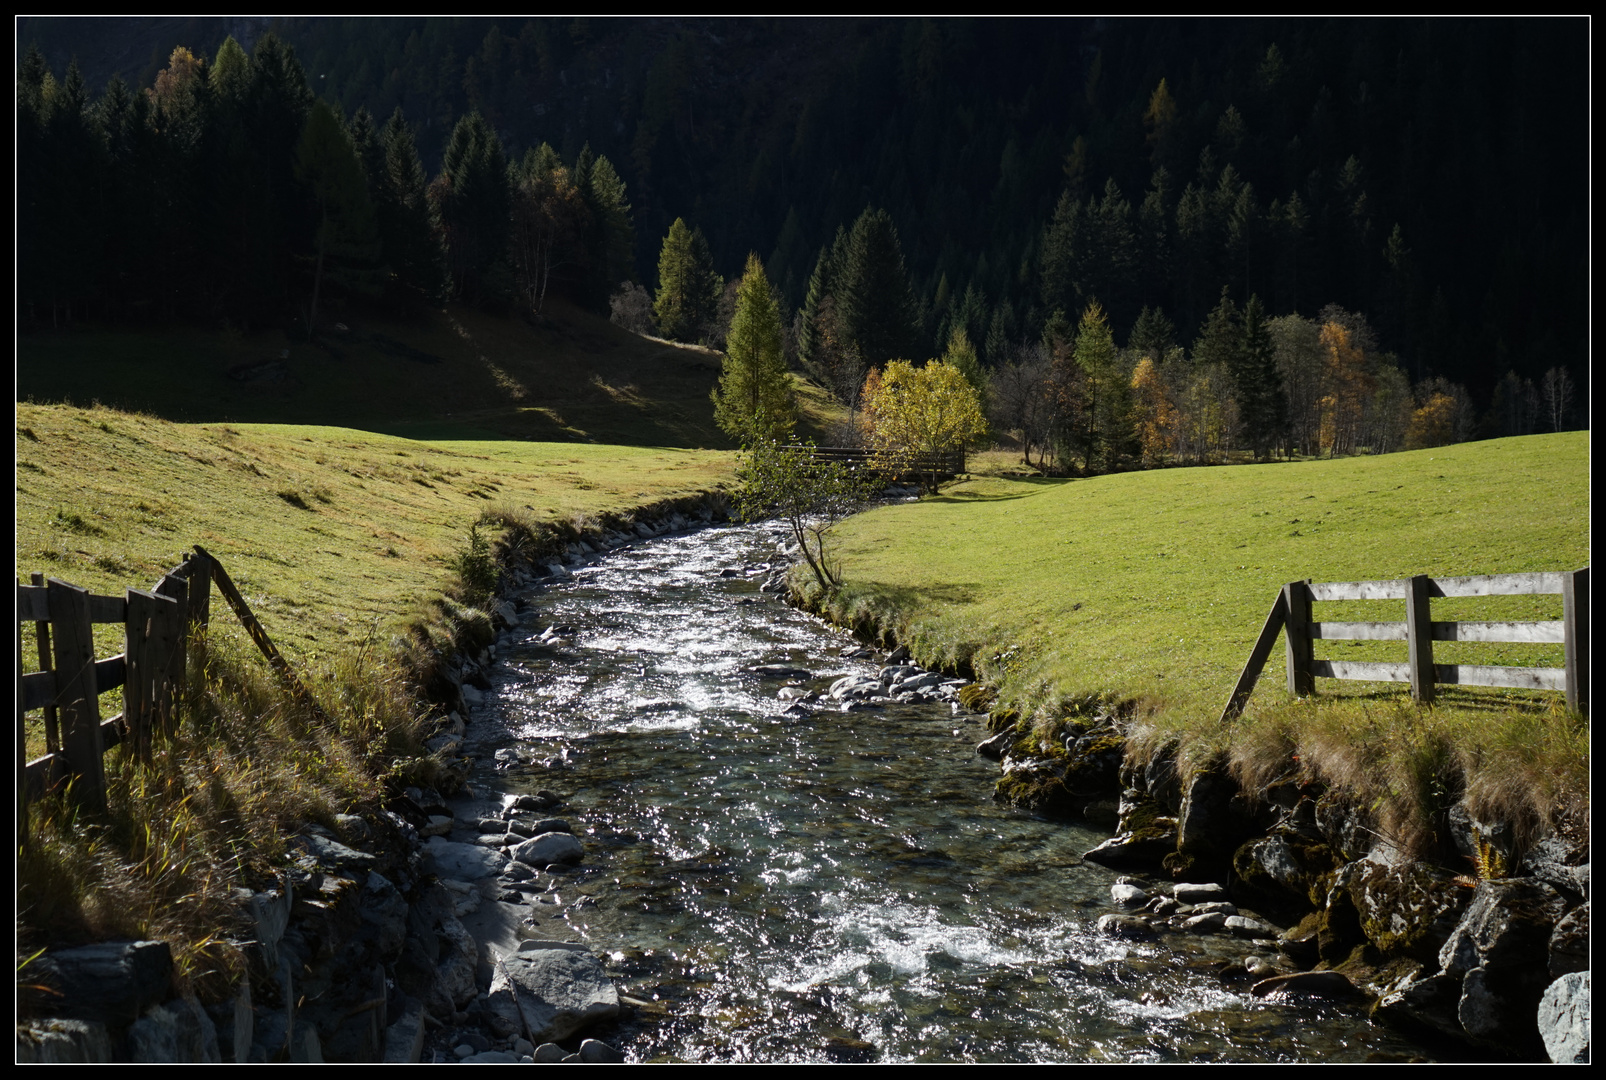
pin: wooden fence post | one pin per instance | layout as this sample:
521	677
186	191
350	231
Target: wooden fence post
76	691
1575	614
1419	637
1296	633
174	622
1257	659
42	633
199	577
139	704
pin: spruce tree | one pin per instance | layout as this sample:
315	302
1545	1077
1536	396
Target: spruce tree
873	297
1262	406
754	398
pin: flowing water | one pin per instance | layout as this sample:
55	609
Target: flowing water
835	886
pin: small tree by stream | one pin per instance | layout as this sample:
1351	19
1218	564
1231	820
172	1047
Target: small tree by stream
810	495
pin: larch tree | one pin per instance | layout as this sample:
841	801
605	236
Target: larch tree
754	400
688	288
923	411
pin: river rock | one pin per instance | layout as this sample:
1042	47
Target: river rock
1507	924
449	859
1207	923
1213	821
1329	984
112	982
1569	943
780	671
1564	1019
1406	907
1127	895
1192	892
177	1033
548	848
1144	846
996	747
1130	927
550	994
1245	927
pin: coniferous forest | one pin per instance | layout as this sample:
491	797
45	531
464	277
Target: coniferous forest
1153	239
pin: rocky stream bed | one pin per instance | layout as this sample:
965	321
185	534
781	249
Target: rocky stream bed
691	823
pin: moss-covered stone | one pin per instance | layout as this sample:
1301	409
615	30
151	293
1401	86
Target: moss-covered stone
1407	909
975	697
1002	719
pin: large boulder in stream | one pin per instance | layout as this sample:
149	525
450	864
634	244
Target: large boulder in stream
549	991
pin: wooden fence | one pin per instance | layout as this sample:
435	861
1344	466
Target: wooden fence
159	627
1290	614
893	466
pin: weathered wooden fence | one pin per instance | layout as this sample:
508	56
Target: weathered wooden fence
1291	615
892	466
159	626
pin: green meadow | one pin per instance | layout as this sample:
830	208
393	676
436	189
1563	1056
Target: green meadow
1149	589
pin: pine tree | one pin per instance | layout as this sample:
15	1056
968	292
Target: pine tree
408	228
754	399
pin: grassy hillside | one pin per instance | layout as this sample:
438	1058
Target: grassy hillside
1151	587
328	531
452	374
339	539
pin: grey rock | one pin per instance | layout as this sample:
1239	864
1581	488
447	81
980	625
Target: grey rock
595	1052
63	1042
1561	867
1569	943
1205	924
404	1039
1125	895
178	1032
549	1052
1329	984
1405	906
1142	847
1130	927
445	745
384	910
780	671
550	994
448	859
111	982
1507	924
1564	1019
1429	1004
1190	892
548	848
438	825
1500	1007
332	854
1245	927
1217	907
996	747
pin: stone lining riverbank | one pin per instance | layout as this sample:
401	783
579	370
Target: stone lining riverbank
1496	965
428	929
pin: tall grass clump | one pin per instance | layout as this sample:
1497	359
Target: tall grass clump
213	809
1522	763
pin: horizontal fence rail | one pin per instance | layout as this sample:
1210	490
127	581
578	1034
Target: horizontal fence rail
159	632
1290	616
892	465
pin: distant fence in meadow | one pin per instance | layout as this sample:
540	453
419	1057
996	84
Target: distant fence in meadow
891	465
162	628
1291	615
